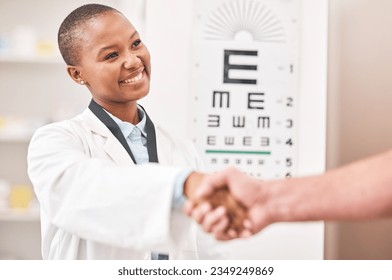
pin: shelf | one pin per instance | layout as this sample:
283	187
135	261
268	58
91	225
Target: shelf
19	215
17	129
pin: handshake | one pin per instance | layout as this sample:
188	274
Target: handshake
228	204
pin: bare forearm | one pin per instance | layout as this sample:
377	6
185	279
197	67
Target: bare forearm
360	190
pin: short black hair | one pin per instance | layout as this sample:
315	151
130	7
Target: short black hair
70	35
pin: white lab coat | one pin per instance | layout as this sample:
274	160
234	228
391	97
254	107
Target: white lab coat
96	204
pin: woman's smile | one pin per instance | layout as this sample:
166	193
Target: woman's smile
134	77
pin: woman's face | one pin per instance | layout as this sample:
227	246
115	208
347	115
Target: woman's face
115	64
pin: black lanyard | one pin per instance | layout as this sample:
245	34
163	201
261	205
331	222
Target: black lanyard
116	131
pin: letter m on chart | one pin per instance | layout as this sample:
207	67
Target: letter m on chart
222	95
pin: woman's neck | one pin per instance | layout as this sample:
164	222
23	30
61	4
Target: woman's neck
127	112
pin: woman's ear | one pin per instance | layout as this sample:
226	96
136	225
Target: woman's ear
75	74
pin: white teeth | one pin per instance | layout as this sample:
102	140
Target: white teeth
134	79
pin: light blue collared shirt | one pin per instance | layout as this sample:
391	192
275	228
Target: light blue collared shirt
136	137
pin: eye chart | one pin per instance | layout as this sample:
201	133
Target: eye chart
245	85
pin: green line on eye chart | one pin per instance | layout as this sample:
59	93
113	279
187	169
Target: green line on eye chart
236	152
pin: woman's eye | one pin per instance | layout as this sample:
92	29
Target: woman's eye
136	43
111	55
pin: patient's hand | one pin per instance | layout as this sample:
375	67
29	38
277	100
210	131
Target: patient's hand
235	212
231	219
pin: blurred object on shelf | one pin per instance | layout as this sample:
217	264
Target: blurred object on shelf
23	44
21	196
45	48
3	122
16	128
24	41
5	189
5	45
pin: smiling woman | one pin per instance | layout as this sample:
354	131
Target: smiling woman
113	63
102	192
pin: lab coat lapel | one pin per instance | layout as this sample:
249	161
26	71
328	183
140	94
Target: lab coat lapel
116	151
104	117
111	146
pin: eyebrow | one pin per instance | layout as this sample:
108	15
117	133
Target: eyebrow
111	46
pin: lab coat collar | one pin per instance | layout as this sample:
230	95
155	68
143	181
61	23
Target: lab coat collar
108	121
95	125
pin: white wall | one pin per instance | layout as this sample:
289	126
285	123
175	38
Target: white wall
359	111
168	37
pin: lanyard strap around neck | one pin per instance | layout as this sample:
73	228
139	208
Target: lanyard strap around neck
116	131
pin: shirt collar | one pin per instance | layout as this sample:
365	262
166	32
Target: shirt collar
126	127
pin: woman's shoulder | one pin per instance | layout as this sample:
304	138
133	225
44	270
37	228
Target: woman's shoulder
64	127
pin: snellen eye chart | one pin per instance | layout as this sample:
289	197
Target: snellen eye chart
245	85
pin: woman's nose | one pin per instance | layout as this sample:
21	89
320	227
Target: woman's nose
131	60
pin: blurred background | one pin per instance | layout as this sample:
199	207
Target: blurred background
35	90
